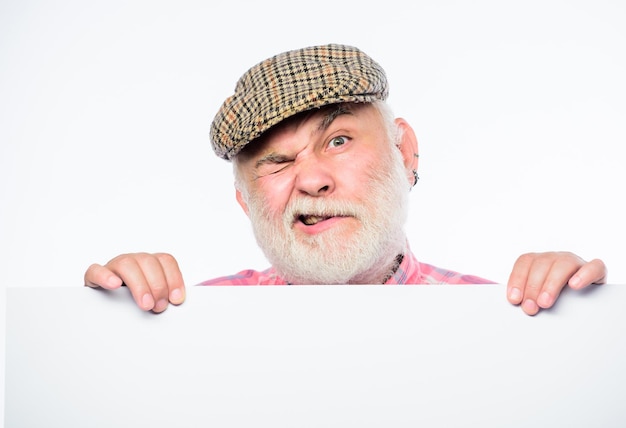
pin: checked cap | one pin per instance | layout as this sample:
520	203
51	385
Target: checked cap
290	83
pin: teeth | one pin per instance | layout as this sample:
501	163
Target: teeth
310	220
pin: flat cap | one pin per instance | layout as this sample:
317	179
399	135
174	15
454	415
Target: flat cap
290	83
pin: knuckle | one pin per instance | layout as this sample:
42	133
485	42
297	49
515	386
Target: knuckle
123	261
526	258
92	269
165	258
599	264
91	273
130	259
534	287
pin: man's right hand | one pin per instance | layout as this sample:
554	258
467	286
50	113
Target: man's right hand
154	280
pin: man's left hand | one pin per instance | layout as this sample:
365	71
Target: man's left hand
538	278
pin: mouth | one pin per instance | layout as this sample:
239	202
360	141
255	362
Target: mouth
310	219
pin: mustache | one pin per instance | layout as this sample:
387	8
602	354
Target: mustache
306	207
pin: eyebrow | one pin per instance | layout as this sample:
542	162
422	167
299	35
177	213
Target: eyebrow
271	158
333	114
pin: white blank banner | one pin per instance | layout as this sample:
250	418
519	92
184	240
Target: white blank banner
331	356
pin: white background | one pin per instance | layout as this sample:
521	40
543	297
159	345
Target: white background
105	109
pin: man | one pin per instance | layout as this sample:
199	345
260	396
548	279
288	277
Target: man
323	170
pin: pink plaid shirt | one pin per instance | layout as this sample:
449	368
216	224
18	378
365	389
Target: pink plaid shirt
410	271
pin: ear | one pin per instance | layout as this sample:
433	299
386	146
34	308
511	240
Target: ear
409	149
241	200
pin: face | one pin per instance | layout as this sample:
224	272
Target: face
327	196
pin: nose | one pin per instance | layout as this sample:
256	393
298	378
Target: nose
314	177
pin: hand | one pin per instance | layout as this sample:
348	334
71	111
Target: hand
153	279
538	278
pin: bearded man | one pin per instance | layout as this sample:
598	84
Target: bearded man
323	170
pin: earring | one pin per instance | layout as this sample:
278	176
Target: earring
415	176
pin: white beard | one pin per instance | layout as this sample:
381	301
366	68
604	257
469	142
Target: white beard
367	256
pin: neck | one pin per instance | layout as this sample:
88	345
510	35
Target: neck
381	271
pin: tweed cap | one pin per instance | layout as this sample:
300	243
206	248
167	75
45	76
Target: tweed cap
290	83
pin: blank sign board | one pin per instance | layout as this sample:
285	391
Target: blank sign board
315	356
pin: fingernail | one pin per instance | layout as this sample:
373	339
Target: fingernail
113	281
176	295
160	305
147	301
544	300
515	294
530	307
574	281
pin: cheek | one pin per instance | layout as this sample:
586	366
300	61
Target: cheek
355	177
275	194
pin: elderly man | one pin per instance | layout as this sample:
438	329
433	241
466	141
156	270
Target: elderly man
323	170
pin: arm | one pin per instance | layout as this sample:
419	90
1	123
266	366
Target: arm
538	278
153	279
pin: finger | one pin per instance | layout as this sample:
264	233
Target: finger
558	276
156	279
130	271
518	278
99	276
539	270
593	272
173	277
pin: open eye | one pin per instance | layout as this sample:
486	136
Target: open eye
338	141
